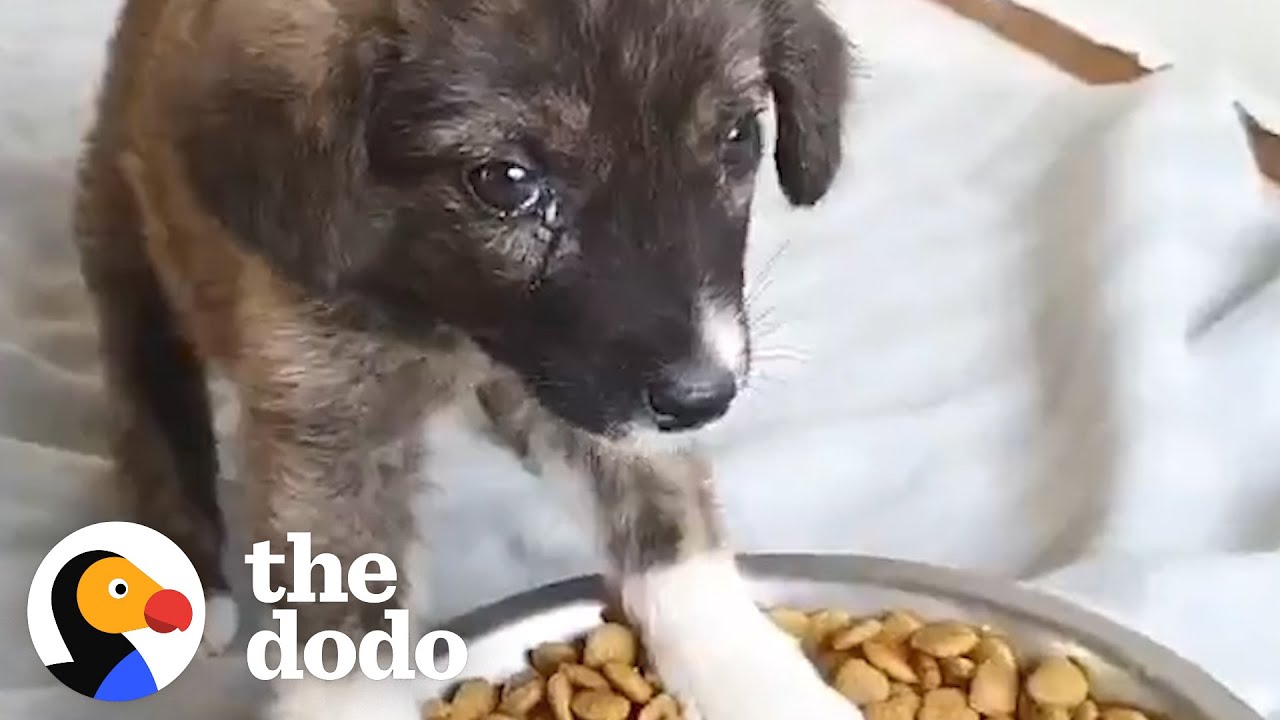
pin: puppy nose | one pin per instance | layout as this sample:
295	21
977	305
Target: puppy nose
691	395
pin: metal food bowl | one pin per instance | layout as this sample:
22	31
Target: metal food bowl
1123	666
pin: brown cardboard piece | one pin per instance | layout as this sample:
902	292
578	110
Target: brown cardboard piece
1083	58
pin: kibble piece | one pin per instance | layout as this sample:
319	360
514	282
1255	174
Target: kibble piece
1122	713
584	677
861	683
548	657
928	670
957	672
1058	682
993	648
600	705
793	622
856	634
435	709
610	642
559	696
946	704
1029	710
995	688
628	681
892	659
663	707
825	623
899	706
498	716
898	625
473	700
519	697
1087	710
944	639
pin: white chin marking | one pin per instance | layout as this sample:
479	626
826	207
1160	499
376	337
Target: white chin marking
723	335
645	439
352	698
719	653
222	621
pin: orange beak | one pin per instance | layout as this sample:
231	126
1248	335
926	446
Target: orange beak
168	610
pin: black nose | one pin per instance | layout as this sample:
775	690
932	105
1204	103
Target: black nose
691	395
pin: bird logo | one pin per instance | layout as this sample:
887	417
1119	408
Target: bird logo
116	611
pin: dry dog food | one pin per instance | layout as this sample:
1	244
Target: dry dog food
895	666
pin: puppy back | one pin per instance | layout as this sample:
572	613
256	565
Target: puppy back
136	210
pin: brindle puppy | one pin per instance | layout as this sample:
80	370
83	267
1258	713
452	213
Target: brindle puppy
362	210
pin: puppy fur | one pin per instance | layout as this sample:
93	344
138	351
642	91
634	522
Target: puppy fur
279	190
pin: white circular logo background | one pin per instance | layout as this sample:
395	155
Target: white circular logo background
154	554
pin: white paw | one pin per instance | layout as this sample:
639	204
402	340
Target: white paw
757	674
719	654
352	698
221	622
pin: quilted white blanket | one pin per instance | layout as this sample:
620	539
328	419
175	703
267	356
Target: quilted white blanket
1034	332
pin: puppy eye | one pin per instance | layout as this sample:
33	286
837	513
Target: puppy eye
741	144
506	187
118	588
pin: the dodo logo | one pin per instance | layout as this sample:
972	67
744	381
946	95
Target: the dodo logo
116	611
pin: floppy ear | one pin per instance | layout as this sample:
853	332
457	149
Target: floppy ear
809	62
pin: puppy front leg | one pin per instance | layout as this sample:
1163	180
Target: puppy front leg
657	520
351	502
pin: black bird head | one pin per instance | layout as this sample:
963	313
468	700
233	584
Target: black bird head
98	596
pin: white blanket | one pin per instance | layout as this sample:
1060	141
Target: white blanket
1032	332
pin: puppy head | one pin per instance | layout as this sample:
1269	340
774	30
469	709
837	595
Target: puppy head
567	183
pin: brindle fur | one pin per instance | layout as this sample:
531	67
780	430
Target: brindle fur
270	190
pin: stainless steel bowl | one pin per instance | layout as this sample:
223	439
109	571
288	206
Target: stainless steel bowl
1124	666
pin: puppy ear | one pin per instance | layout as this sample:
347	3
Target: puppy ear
809	63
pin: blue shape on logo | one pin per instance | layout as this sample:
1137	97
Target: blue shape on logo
130	679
